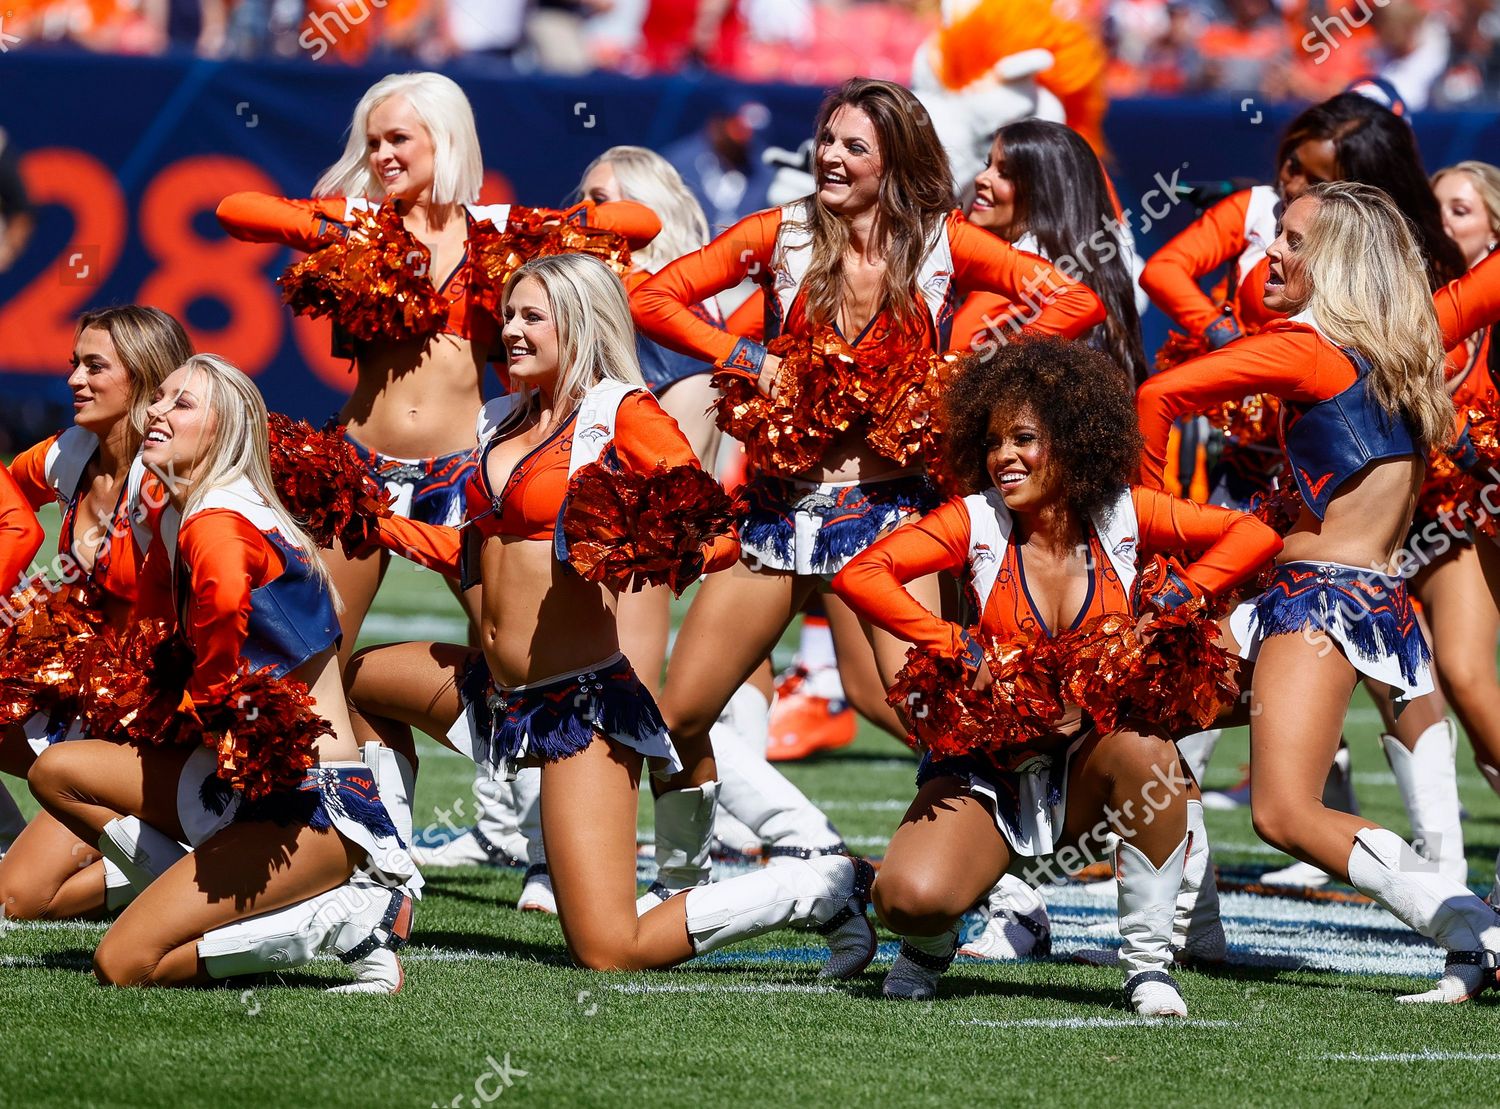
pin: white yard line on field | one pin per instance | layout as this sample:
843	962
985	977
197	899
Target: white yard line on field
1425	1056
1103	1022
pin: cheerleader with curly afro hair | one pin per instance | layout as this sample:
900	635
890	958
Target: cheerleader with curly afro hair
1054	546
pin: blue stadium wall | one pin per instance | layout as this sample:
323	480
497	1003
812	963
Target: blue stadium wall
127	158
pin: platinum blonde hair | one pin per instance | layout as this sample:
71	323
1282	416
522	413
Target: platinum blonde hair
1370	293
647	178
595	335
240	449
457	169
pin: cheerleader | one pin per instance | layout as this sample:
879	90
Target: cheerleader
552	686
1050	538
1363	402
93	473
408	181
21	537
241	588
872	263
1016	199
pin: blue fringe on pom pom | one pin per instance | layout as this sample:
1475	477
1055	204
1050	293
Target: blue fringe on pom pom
1371	614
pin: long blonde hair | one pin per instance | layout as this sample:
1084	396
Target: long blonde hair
149	344
457	168
648	178
1486	179
595	335
916	195
240	449
1370	293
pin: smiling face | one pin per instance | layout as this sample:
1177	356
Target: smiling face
1288	285
1018	461
400	150
179	424
601	185
995	196
848	163
1465	218
530	336
1310	163
100	383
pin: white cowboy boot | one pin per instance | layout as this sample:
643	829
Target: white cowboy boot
1016	924
1147	904
684	837
1428	781
1382	866
138	851
827	894
1197	931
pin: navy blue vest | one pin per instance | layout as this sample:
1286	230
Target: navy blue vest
1329	442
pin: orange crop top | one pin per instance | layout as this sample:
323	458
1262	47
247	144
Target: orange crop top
21	534
663	305
1232	546
528	505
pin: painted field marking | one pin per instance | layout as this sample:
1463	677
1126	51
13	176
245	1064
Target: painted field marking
715	987
1104	1022
1425	1056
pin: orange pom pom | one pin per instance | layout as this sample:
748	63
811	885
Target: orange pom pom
321	481
629	529
45	648
532	233
1179	348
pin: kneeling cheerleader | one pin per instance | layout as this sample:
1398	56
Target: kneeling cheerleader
585	486
219	743
1052	724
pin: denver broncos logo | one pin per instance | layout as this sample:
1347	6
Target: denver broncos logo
594	434
981	554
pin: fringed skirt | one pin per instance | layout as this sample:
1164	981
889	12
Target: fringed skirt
430	490
815	529
1366	615
504	728
1029	804
337	795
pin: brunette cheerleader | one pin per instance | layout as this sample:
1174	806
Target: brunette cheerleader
1358	366
552	686
1050	541
93	473
239	588
867	268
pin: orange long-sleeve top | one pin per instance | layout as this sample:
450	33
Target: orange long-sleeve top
527	506
117	560
1469	303
21	533
224	557
1231	546
1288	359
663	306
310	224
1222	234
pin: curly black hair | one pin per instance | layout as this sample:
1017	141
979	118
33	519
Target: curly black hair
1082	400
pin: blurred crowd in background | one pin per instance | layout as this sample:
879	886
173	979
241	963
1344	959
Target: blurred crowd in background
1436	52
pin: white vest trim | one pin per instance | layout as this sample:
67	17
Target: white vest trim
592	432
66	459
989	534
239	496
1260	229
793	257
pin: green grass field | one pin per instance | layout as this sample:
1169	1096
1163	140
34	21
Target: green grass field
490	990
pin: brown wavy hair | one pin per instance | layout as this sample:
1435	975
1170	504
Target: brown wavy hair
916	195
1079	396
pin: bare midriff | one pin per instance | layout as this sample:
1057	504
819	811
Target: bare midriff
538	617
418	398
1366	522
